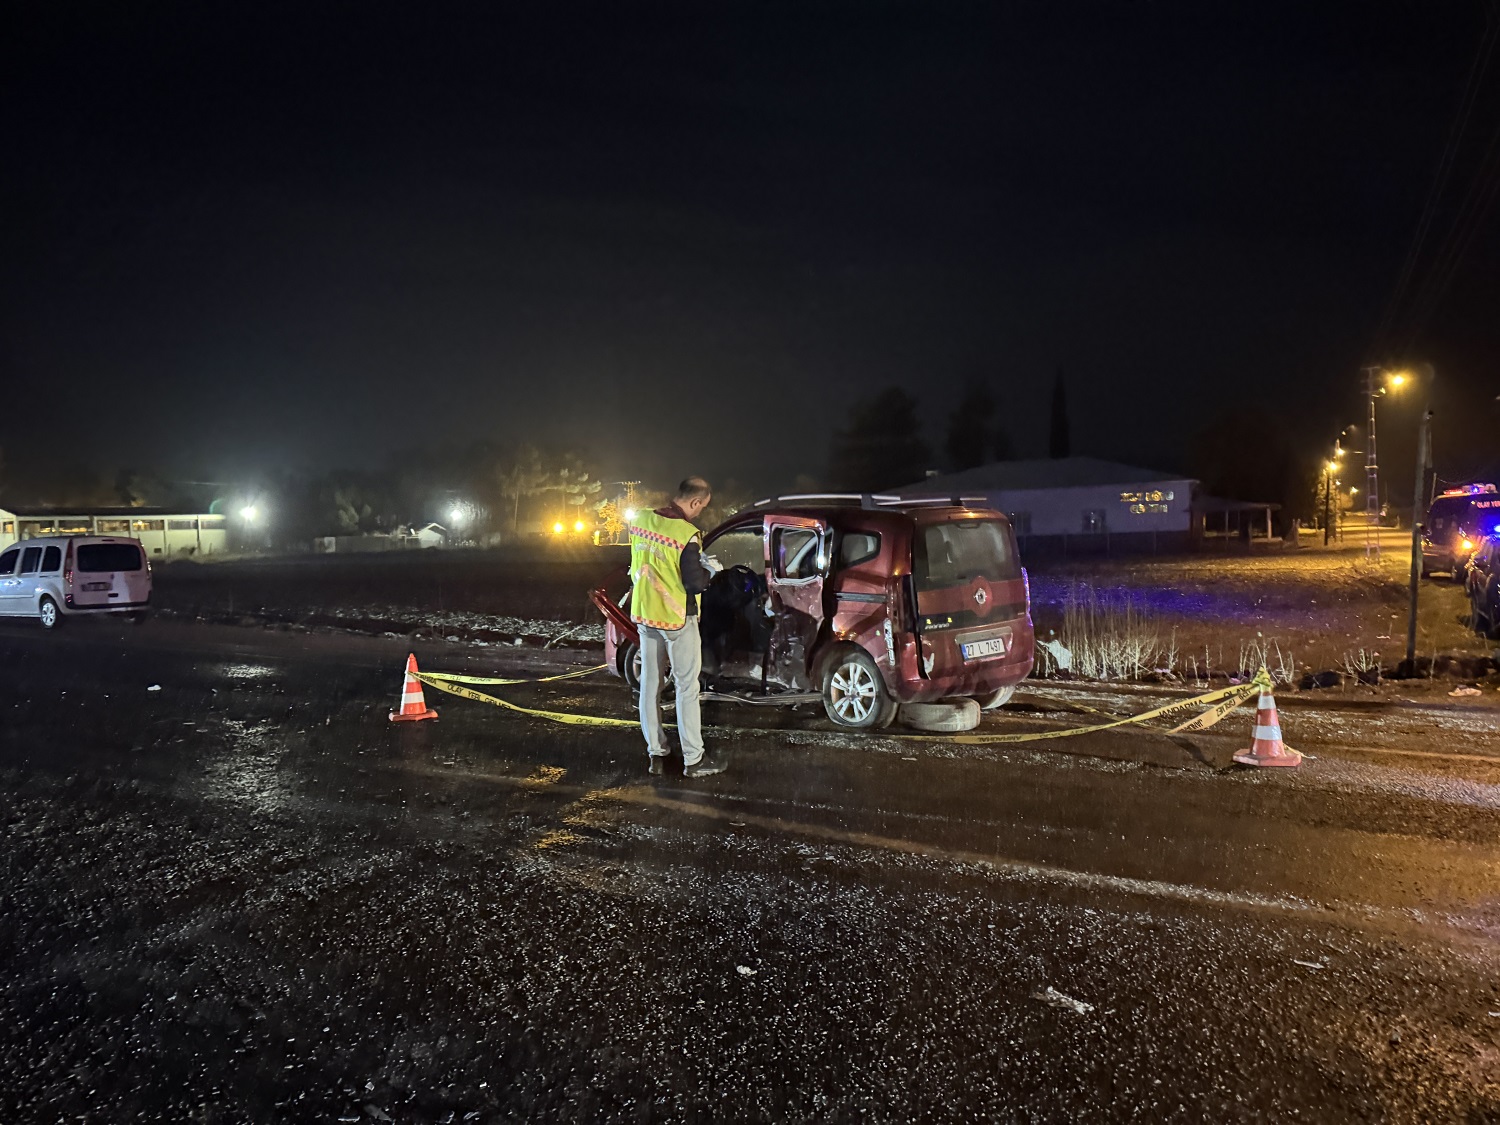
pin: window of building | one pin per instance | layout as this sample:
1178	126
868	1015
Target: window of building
1093	521
148	525
180	525
1020	522
8	527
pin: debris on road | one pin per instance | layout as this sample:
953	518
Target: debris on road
1055	999
1465	689
154	687
745	970
1309	964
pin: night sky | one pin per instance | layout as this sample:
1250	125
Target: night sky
687	238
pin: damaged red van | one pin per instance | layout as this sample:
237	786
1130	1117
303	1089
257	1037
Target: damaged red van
866	603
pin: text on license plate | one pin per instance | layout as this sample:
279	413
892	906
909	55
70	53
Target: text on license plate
96	585
979	650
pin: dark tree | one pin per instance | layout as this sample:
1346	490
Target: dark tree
970	428
1059	444
1244	454
1000	447
881	447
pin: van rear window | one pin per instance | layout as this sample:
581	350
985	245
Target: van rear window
954	554
99	558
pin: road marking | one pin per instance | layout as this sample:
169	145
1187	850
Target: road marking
1156	888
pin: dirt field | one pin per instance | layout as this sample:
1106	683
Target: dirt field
1194	617
476	596
1303	611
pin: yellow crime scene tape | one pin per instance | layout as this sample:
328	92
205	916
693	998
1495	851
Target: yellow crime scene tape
1217	704
454	678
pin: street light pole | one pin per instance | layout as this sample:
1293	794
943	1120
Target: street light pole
1327	489
1424	440
1372	472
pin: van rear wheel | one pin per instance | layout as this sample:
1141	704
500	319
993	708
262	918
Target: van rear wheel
48	613
853	694
995	699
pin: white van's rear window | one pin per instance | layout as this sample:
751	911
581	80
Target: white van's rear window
98	558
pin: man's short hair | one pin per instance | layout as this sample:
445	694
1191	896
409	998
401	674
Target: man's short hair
694	488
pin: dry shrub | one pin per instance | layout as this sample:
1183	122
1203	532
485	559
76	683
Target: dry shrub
1110	637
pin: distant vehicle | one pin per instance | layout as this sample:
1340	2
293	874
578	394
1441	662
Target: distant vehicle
863	603
1458	519
1482	580
56	577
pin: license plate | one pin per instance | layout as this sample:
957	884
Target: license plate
96	585
979	650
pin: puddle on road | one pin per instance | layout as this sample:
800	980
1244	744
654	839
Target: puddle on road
244	767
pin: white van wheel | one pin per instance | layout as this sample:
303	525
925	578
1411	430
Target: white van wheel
947	716
47	611
995	699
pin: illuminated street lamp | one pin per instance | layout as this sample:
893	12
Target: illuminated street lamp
250	513
1378	380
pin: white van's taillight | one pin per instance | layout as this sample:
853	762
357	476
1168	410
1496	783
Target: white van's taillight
1026	587
68	574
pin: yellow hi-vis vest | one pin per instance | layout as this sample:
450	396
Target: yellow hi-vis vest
657	595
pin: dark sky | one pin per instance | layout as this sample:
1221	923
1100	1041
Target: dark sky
687	238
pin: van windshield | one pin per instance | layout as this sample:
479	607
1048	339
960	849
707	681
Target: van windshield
99	558
954	554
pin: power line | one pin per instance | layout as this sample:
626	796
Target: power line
1438	187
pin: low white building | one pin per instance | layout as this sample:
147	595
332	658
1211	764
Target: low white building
1079	503
164	534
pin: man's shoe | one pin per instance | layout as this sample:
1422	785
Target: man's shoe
706	766
658	765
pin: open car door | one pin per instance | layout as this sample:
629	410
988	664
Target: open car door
798	552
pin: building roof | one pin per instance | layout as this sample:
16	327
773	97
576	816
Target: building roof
1017	476
87	510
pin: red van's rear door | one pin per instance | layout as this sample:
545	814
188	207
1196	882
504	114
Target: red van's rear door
971	595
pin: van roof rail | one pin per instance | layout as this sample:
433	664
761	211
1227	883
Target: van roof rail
869	500
863	499
919	501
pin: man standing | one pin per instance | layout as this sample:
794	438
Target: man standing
668	573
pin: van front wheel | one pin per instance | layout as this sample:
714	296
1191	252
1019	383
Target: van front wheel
853	694
50	615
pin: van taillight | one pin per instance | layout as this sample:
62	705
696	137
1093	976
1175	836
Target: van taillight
68	565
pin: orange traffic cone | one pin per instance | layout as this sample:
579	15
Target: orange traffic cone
1268	749
413	704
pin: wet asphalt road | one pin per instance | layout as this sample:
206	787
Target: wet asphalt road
246	896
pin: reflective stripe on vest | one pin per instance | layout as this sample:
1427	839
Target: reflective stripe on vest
657	596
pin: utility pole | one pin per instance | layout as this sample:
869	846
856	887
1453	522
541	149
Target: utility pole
1327	499
1424	455
1372	472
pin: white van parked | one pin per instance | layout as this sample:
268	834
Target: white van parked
56	576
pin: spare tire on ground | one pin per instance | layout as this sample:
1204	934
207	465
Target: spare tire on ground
947	716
